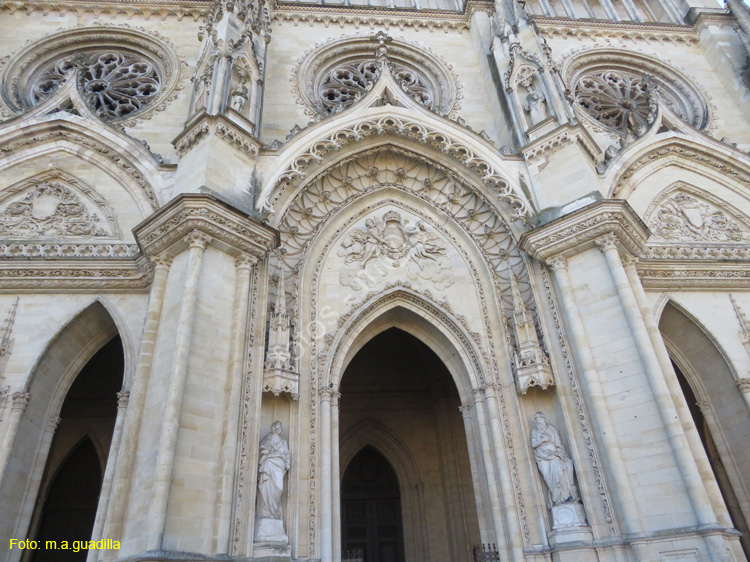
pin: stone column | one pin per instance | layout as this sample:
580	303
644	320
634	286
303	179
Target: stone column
19	401
335	477
626	505
197	242
474	464
132	424
515	544
685	462
673	385
496	509
109	473
326	497
243	268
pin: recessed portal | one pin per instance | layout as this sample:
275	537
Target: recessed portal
69	494
371	509
406	492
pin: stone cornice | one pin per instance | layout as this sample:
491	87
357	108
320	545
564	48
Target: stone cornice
235	131
145	9
691	275
562	136
643	31
317	14
578	231
230	230
24	275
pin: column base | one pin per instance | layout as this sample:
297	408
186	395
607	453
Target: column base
271	540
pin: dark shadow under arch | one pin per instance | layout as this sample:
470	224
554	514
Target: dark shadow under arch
720	413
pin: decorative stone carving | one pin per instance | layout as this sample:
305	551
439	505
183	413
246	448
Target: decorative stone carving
391	242
621	100
333	75
554	462
685	218
273	463
6	334
343	85
743	385
239	97
51	209
530	362
280	374
115	83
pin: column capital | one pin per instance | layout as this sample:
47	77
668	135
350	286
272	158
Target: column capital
19	400
197	239
162	261
580	230
743	385
606	242
191	217
558	263
52	424
245	261
123	398
465	411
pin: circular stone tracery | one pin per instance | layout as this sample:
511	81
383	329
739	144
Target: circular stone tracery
348	82
115	84
616	89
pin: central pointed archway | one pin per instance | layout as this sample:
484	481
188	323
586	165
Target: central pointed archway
407	490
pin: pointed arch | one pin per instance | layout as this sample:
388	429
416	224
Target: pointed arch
430	322
689	150
48	383
711	378
383	440
117	154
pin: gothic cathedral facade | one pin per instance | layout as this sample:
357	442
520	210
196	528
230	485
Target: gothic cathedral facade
375	280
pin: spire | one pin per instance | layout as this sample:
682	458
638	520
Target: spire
532	367
280	374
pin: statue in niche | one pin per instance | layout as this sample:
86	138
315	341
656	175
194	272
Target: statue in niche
273	463
535	105
238	98
553	461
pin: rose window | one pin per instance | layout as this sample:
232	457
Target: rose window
115	84
620	100
346	83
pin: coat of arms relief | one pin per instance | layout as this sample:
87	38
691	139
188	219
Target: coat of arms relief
391	243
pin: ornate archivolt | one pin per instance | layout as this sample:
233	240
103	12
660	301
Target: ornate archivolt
55	205
123	73
612	89
333	75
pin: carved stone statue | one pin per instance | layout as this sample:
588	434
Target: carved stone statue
535	106
238	98
553	462
273	463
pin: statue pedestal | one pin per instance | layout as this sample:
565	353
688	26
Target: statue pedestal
569	525
271	540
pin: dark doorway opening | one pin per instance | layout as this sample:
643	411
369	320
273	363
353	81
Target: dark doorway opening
69	493
371	509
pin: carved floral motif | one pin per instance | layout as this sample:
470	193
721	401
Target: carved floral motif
684	218
51	210
391	243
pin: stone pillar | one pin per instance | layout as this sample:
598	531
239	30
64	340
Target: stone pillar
626	505
326	498
335	477
515	544
19	401
681	408
105	494
685	462
197	242
132	423
495	504
475	463
244	266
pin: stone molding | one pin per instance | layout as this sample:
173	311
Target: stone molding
546	145
204	125
230	230
685	275
578	231
161	9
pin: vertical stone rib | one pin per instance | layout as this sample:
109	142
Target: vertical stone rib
157	515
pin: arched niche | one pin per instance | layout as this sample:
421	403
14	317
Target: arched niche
719	411
75	350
